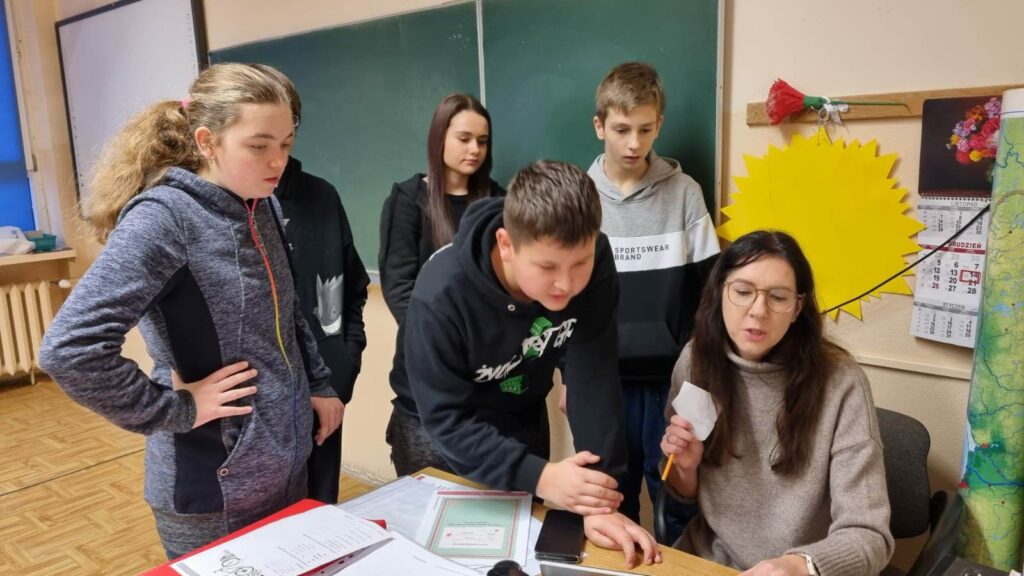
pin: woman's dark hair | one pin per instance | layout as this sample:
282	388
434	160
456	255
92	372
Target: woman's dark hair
440	220
808	358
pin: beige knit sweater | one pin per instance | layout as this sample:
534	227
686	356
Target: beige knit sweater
836	509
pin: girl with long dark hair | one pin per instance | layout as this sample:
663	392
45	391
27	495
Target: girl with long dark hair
420	216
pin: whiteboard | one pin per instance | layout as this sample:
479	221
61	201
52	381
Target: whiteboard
118	59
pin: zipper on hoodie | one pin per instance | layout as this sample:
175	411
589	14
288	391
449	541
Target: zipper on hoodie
258	241
261	248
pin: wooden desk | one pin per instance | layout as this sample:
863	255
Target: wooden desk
673	562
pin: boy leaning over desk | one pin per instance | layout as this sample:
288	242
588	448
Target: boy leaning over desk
528	281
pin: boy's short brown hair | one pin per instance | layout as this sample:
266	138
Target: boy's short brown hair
627	86
552	199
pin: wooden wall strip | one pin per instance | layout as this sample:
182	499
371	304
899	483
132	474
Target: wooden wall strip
758	116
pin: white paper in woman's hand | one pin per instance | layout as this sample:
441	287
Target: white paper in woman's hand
697	406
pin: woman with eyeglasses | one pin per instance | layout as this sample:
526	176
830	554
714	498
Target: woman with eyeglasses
791	479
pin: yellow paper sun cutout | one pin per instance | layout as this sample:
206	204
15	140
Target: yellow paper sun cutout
841	206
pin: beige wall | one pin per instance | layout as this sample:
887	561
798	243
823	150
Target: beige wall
269	19
824	47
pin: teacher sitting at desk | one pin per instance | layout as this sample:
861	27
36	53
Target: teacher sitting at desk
791	479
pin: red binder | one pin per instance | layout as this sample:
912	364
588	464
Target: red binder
297	508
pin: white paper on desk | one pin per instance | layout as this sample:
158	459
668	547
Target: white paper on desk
440	483
341	563
287	547
695	404
400	503
397	556
477	527
532	566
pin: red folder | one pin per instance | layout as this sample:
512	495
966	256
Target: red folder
297	508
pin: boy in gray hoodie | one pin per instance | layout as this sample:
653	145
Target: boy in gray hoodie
663	242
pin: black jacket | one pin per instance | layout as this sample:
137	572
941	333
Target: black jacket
405	240
477	359
405	246
330	278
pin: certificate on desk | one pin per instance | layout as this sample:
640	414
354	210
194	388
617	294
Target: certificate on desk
477	527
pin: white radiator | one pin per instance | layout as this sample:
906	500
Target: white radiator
25	314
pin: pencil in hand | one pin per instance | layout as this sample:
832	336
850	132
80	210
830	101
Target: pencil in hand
668	466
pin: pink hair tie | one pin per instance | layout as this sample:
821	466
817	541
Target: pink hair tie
185	101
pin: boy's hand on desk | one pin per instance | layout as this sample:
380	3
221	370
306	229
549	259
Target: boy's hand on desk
569	485
617	532
330	411
211	394
788	565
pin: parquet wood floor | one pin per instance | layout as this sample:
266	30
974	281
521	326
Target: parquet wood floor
71	489
44	435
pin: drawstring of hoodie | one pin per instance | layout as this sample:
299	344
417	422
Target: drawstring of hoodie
258	240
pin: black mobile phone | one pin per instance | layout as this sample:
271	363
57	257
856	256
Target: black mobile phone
561	537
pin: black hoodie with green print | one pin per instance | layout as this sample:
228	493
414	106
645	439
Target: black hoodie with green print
476	359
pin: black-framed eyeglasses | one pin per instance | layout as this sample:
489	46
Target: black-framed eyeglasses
779	300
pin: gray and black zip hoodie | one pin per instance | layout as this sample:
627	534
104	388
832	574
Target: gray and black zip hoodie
183	264
480	362
664	245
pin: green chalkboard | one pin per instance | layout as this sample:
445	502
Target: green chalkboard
369	90
368	93
543	60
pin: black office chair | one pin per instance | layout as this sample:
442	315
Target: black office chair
915	510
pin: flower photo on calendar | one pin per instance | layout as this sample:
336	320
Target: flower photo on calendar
976	136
